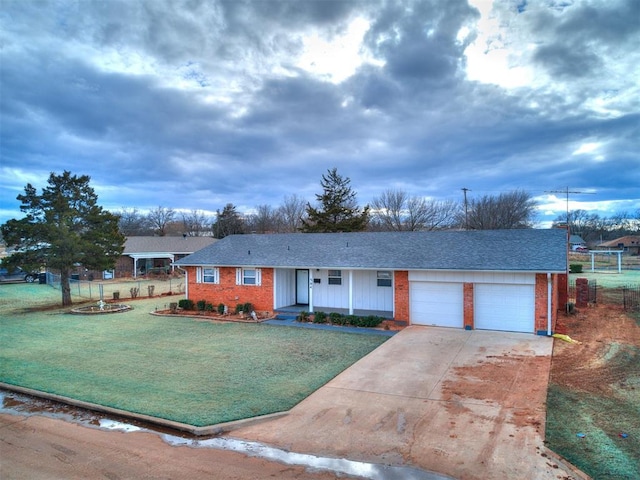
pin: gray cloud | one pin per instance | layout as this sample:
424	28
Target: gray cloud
195	104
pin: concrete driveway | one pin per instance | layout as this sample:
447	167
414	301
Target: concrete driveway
468	404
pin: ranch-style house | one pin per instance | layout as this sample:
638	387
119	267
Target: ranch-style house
510	280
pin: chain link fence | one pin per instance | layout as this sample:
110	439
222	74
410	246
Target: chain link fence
120	289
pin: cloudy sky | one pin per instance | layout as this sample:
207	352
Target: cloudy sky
194	104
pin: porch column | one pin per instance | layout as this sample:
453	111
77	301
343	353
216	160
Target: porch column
310	290
135	267
350	292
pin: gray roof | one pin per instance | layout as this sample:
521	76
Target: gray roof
531	250
181	245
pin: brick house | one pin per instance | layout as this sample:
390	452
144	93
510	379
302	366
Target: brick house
629	244
492	279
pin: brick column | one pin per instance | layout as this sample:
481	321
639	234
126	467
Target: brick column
582	292
468	306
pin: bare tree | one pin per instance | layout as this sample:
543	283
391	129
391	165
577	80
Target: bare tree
159	218
195	223
133	223
394	210
291	213
514	209
265	220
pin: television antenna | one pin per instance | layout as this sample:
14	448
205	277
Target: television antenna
566	192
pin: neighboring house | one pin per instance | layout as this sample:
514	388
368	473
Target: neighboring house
629	244
143	255
576	240
464	279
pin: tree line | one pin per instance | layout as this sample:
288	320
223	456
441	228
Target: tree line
336	210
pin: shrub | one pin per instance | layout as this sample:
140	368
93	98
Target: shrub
371	321
221	308
201	305
337	318
239	308
302	317
352	320
575	268
320	317
186	304
247	308
209	307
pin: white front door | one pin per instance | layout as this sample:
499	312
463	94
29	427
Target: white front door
302	287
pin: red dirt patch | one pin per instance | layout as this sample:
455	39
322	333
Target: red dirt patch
503	380
601	330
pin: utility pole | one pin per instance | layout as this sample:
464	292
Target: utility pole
466	212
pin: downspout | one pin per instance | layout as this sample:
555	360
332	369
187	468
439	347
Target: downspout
549	311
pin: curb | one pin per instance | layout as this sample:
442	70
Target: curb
207	430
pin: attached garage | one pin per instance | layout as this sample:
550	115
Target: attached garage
436	303
504	307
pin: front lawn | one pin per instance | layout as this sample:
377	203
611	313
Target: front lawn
199	373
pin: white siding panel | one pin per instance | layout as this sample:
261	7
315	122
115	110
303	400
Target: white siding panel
285	293
473	277
367	295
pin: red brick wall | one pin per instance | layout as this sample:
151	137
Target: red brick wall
541	308
467	293
229	293
401	295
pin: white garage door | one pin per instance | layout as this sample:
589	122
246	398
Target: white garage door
434	303
504	307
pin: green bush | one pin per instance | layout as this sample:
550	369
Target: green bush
302	317
371	321
247	308
239	308
201	304
337	318
320	317
186	304
209	307
221	308
575	268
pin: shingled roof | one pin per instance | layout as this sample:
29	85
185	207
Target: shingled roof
178	245
529	250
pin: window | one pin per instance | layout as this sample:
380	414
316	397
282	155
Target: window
207	275
384	279
248	276
335	277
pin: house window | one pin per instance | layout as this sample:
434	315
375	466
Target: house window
384	279
248	276
208	275
335	277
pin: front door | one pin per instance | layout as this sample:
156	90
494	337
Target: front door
302	287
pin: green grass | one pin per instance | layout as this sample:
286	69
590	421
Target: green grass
602	453
180	369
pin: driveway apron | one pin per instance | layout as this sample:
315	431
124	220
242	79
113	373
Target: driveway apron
468	404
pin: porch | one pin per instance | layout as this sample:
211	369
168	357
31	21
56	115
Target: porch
296	309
